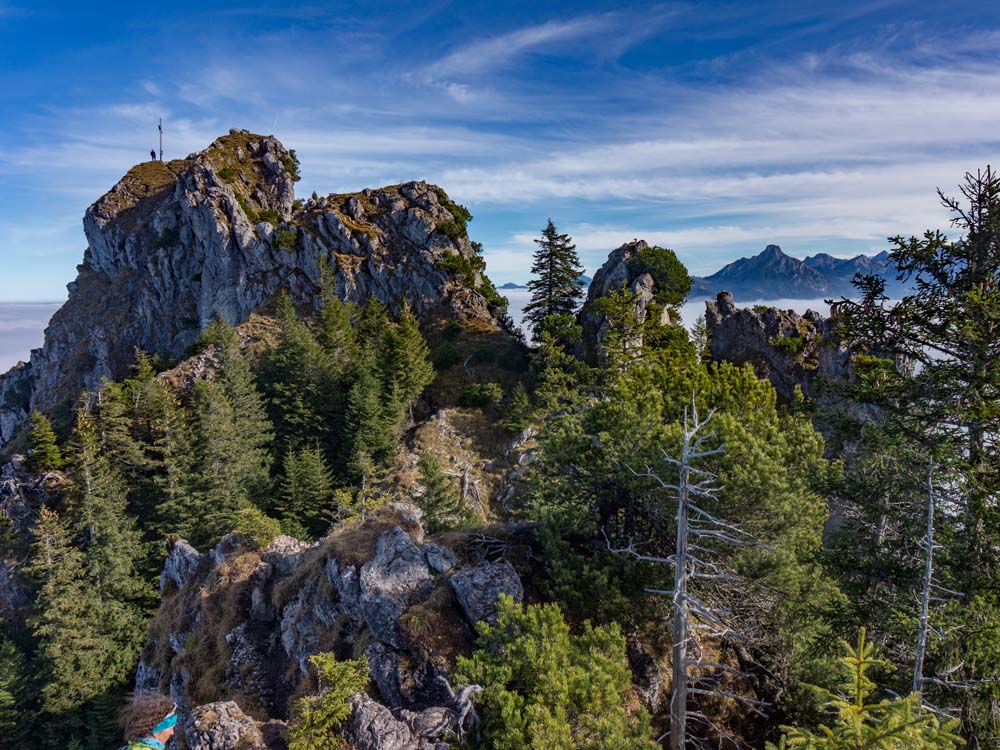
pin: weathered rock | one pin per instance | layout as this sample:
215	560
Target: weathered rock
181	563
175	244
373	727
479	589
222	726
788	349
617	273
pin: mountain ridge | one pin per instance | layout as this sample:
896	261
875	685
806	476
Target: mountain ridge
772	274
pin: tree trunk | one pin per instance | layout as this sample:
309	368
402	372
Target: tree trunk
678	698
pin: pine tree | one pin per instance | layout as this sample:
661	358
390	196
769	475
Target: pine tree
371	419
441	502
946	329
79	656
307	490
336	329
860	724
556	287
544	687
45	454
622	345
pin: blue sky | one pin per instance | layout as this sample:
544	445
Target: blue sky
711	128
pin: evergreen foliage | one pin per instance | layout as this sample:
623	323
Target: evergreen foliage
860	724
544	688
14	694
945	401
556	286
307	490
317	718
44	451
441	502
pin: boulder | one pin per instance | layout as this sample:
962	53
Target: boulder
222	726
479	589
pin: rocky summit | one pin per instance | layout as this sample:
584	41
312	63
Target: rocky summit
175	244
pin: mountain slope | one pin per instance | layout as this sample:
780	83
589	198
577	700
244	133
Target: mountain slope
175	244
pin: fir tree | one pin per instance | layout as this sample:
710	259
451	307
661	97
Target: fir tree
336	329
45	454
307	490
441	503
556	287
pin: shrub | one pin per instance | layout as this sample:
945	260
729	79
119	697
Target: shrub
286	239
317	718
457	227
670	276
291	165
270	215
252	523
481	395
227	173
543	687
788	344
447	357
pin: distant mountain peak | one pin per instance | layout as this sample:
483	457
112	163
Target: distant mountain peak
772	274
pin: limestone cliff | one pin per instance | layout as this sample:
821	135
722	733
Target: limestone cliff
618	272
788	349
175	244
237	625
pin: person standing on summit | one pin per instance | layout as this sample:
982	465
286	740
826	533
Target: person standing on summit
152	154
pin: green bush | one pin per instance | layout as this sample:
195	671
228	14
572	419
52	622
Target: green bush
227	173
458	226
447	357
270	215
481	395
317	718
546	688
286	239
670	276
291	165
251	522
788	344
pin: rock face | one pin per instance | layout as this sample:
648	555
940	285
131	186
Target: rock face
239	624
786	348
175	244
616	273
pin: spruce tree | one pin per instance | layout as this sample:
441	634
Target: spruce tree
861	724
409	358
946	329
441	502
15	719
370	420
44	451
307	490
251	428
556	286
220	482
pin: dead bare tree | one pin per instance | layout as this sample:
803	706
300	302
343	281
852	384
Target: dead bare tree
694	618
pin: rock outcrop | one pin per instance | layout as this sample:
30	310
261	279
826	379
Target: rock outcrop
175	244
237	627
788	349
618	272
